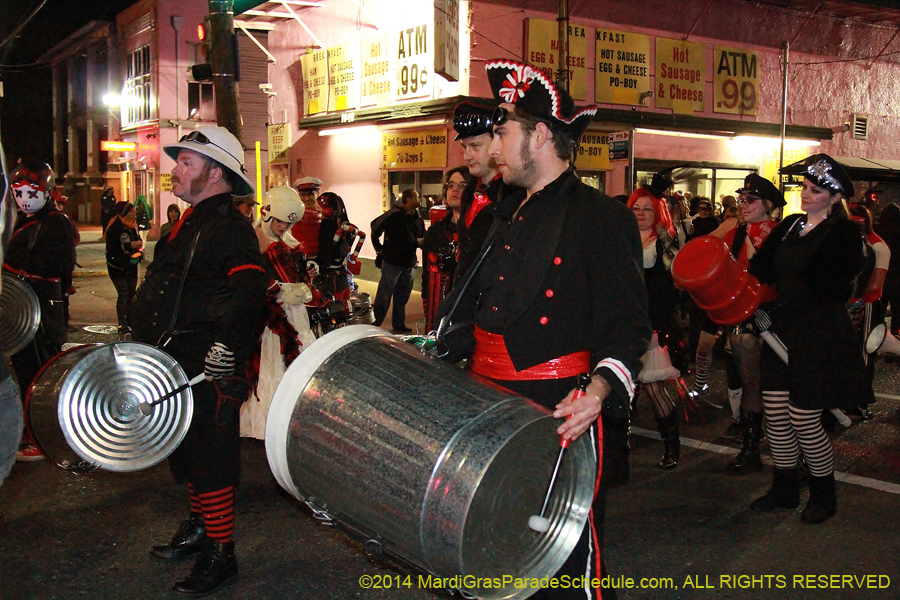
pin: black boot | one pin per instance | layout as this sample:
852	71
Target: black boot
188	541
668	430
785	492
822	499
215	568
748	459
616	432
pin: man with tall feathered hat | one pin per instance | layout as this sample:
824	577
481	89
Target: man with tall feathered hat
560	290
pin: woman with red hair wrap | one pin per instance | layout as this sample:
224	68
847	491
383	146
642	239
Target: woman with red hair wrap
658	239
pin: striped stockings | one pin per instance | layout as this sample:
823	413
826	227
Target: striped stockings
792	431
218	511
703	361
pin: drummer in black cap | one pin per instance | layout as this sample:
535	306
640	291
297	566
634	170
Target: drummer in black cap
560	291
812	259
472	123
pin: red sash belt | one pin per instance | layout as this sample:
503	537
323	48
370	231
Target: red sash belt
28	275
491	359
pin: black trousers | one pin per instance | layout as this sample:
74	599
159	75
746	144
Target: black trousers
125	283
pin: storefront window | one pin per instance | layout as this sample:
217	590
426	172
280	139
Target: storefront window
427	183
699	181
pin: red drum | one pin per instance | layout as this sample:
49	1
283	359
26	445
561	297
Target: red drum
706	269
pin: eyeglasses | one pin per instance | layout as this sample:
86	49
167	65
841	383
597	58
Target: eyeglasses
456	185
200	138
638	209
703	207
468	121
748	200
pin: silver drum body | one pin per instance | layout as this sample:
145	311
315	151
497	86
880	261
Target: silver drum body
85	410
20	314
430	464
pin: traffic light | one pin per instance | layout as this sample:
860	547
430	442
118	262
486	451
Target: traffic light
203	71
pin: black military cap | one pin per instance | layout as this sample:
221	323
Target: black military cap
828	173
758	186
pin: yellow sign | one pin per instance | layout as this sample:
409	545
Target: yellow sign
377	71
622	71
414	53
315	82
165	182
680	75
113	146
543	53
593	151
415	149
343	77
736	81
279	143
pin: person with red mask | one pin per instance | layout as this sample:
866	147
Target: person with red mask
40	252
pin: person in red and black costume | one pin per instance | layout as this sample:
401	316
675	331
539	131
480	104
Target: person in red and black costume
201	301
472	123
560	291
40	252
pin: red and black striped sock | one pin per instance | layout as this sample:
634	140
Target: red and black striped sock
218	512
196	508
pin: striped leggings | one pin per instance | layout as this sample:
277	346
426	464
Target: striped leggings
792	431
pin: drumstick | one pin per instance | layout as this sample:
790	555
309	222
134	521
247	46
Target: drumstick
539	522
147	407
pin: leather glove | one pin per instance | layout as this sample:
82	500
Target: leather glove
219	362
295	293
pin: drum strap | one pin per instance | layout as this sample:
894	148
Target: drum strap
167	335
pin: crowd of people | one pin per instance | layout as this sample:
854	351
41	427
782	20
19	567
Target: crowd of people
530	276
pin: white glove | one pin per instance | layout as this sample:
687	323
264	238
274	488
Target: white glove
295	293
219	362
312	268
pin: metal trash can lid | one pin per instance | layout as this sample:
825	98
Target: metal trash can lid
99	410
20	314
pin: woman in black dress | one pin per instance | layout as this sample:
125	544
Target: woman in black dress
124	251
812	259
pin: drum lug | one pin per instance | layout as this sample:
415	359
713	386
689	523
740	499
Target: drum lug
320	513
374	547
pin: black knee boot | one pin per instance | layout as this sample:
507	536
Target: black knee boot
822	499
216	567
785	492
668	430
188	541
748	459
616	431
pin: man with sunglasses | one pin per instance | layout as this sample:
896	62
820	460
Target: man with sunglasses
560	290
472	123
200	301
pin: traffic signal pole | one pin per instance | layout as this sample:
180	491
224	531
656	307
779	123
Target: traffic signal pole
224	61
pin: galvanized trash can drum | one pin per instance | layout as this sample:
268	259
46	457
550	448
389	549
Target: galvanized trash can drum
436	467
20	314
85	407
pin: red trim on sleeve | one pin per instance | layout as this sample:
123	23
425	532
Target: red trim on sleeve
244	267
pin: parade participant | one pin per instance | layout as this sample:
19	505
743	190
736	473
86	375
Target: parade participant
440	247
200	302
403	232
472	123
143	216
287	331
812	259
124	251
40	252
307	230
659	249
560	290
66	282
10	406
246	205
757	200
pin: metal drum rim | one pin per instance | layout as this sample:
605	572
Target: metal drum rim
297	377
22	286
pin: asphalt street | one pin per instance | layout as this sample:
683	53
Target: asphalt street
684	533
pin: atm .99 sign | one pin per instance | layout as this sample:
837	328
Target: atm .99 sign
736	82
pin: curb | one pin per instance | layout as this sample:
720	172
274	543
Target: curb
79	273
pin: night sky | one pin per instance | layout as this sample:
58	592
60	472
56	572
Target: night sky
26	125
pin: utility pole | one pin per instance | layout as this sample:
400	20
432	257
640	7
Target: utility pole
224	61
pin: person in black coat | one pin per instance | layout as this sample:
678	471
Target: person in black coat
201	301
440	246
812	259
40	252
124	252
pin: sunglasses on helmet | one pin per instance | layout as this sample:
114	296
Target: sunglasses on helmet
200	138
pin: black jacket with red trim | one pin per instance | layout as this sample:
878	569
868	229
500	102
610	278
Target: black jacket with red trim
224	288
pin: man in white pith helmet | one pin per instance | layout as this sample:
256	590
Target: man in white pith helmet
201	301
